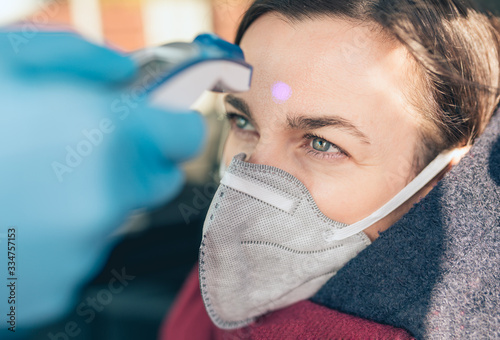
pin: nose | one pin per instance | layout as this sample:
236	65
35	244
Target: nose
277	154
268	151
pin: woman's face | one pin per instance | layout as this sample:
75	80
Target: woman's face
327	105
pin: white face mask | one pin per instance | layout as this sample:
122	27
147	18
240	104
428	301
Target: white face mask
266	244
13	10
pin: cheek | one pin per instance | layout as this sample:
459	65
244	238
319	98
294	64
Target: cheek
349	199
339	199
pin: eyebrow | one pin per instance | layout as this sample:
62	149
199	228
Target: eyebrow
311	123
304	122
238	104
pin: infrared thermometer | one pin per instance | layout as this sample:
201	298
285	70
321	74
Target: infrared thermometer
175	75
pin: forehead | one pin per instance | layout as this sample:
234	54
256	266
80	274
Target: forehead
328	64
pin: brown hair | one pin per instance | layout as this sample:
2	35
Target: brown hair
456	54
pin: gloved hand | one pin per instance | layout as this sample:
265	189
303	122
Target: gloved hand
77	153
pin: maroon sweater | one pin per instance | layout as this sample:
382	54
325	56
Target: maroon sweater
303	320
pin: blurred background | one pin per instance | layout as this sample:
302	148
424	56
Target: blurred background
158	248
132	24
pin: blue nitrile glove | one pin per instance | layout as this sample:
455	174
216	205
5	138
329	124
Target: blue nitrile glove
77	153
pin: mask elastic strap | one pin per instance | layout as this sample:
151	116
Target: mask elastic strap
424	177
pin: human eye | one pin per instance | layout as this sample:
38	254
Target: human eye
239	122
321	148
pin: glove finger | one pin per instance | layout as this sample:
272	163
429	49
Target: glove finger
65	52
178	135
162	187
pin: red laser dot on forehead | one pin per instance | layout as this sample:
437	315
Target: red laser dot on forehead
281	92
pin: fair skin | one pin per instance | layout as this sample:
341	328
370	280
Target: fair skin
346	131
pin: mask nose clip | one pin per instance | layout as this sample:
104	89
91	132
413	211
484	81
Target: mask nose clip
242	157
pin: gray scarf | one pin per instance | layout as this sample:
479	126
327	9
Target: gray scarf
436	272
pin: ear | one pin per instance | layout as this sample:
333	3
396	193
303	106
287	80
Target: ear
460	154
